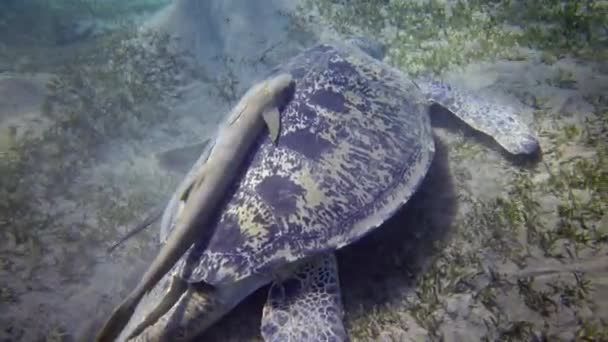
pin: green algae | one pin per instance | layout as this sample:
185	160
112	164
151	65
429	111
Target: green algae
106	94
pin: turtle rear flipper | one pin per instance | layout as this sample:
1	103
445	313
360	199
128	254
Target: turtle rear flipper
485	115
307	305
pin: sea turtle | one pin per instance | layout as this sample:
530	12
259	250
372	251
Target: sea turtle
355	143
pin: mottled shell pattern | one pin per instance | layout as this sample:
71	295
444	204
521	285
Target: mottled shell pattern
354	145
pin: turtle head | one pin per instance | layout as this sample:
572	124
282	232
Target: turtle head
367	45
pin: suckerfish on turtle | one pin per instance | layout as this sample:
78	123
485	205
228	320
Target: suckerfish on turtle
257	107
177	160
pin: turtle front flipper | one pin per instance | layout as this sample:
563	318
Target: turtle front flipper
498	121
307	305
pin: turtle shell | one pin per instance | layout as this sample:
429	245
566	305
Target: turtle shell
355	143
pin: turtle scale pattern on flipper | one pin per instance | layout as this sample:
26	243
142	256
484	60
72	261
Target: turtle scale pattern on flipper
306	306
355	143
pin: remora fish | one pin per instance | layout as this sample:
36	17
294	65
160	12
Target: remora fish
176	160
258	106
